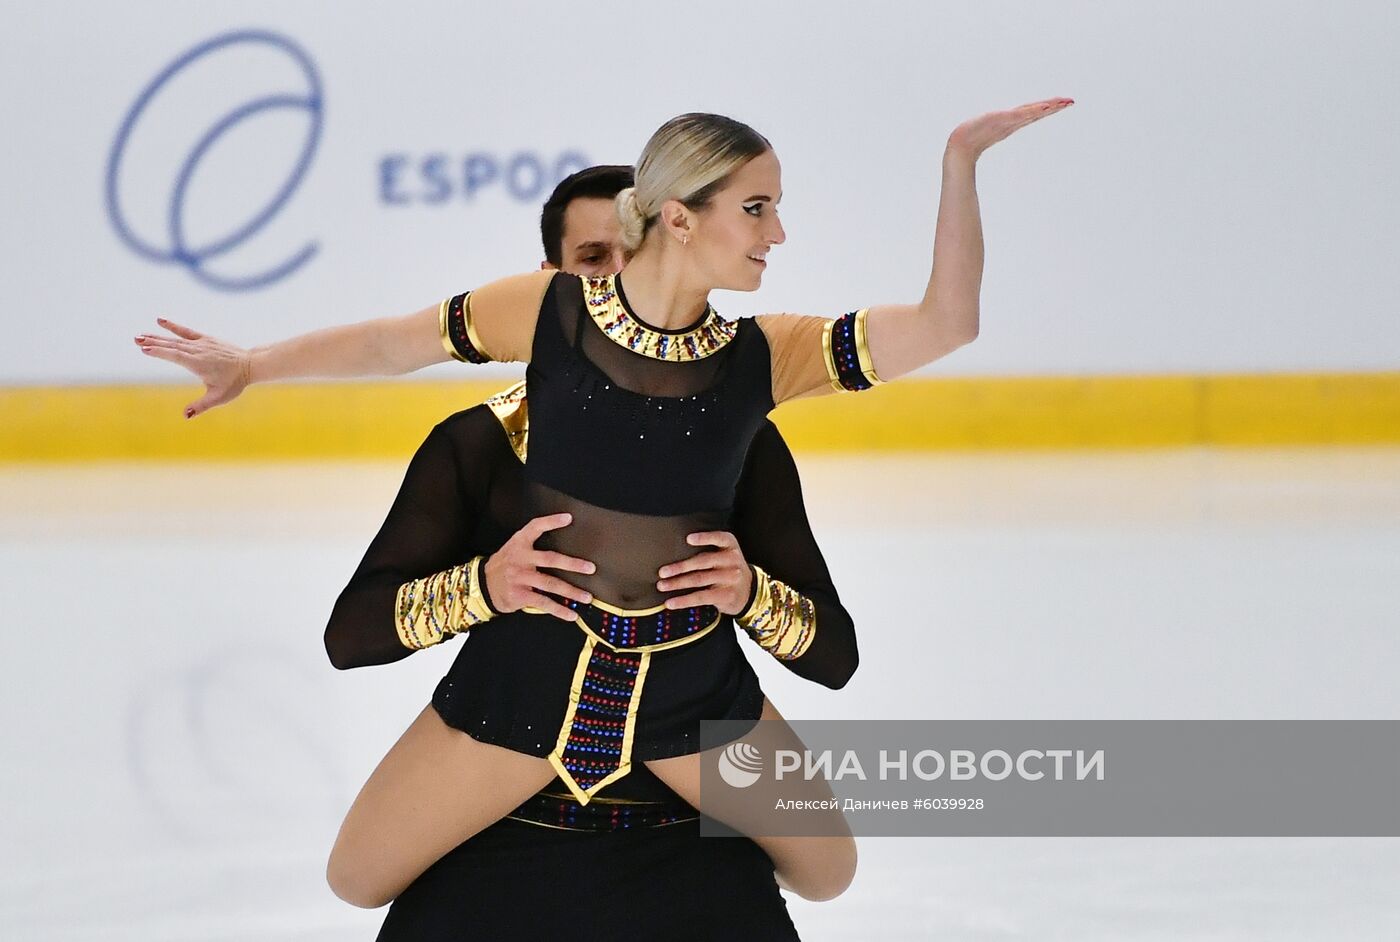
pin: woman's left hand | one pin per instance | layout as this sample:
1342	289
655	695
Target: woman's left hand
973	137
722	575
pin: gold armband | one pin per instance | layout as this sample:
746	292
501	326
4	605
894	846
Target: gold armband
428	610
782	620
456	332
846	351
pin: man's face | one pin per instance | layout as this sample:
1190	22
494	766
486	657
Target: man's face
592	243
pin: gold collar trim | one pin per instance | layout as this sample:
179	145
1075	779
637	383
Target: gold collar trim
619	325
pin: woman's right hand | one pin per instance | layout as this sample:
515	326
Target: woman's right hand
225	369
513	576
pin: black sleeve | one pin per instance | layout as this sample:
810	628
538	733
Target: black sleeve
429	529
770	523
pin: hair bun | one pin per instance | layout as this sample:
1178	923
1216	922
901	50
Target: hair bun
633	220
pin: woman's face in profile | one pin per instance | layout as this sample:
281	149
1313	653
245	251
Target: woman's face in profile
732	235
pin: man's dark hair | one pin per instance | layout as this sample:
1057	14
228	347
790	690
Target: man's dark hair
602	182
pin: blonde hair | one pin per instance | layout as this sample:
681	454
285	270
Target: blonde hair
689	158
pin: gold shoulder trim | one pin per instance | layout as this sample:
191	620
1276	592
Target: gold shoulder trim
512	411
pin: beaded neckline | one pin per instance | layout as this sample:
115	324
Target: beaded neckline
620	325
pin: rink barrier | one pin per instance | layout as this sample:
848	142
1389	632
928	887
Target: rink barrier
390	419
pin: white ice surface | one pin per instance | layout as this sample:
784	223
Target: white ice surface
178	752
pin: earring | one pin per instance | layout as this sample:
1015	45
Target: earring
685	240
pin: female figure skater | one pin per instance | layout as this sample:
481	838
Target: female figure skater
461	498
601	359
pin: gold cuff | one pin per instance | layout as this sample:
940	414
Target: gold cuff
428	610
444	333
782	620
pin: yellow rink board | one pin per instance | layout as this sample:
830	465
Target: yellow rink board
389	419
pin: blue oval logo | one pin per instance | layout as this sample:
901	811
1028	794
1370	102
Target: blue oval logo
196	258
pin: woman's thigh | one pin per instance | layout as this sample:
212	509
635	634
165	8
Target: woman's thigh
818	866
433	790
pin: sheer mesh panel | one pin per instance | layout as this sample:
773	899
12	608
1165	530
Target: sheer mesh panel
636	390
628	549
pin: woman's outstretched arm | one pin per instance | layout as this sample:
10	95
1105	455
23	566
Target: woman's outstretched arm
903	338
814	355
386	346
500	318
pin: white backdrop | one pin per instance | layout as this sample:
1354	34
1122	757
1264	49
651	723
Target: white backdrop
1221	197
